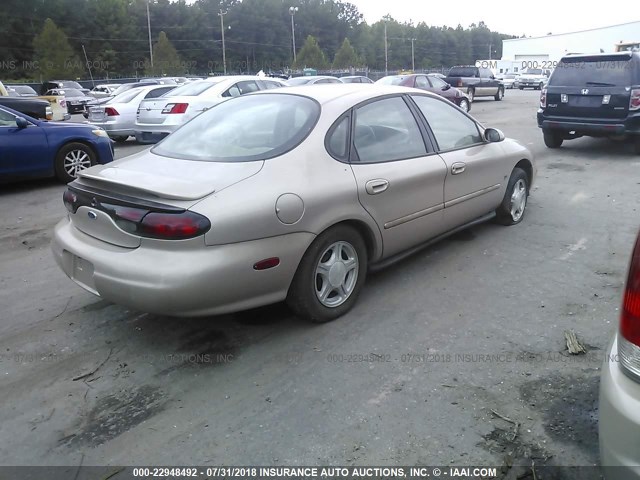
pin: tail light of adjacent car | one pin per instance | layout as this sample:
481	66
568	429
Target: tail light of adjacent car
175	108
629	338
634	101
154	220
63	103
111	112
543	98
459	84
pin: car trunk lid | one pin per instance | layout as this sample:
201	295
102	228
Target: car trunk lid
146	182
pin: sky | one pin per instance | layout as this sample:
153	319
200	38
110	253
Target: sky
533	19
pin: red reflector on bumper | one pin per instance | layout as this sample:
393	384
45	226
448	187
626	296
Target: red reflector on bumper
267	263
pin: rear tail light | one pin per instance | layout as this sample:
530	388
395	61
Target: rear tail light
175	108
634	102
459	83
629	343
173	226
110	112
153	221
543	98
63	103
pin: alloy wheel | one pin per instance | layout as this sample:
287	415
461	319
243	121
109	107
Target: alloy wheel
336	274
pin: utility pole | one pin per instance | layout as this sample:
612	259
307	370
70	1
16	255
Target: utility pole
413	56
386	51
149	29
88	65
292	12
490	45
224	52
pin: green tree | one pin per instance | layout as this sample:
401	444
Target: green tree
345	56
166	60
310	55
54	55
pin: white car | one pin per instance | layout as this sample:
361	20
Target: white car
159	117
118	115
510	80
104	90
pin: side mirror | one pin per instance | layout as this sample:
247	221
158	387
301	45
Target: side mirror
446	87
21	122
493	135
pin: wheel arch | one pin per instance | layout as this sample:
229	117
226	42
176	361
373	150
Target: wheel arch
526	165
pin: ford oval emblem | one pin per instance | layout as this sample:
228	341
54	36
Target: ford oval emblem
92	215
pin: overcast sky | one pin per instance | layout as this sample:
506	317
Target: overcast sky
515	18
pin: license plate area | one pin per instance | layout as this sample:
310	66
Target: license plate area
82	272
585	101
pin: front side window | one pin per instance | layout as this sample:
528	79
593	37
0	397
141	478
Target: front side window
247	128
7	119
386	130
452	128
437	82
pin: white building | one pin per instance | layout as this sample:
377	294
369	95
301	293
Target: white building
525	52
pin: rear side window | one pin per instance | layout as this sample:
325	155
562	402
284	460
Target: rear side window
386	130
337	139
463	72
592	71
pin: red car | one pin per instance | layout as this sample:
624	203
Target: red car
431	83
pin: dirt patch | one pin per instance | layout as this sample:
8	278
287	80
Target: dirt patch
115	414
570	409
567	167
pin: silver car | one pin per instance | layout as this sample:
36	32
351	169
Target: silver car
159	117
312	80
103	91
620	387
292	194
118	115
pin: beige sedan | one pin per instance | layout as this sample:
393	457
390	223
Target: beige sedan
289	194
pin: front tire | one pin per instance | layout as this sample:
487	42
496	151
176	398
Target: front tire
636	145
464	105
552	139
121	138
514	203
471	93
330	275
71	159
498	96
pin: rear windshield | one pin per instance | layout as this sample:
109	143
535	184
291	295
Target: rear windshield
299	81
391	80
463	72
126	97
247	128
533	71
592	71
70	85
193	88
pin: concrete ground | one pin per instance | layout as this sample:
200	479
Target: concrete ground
436	344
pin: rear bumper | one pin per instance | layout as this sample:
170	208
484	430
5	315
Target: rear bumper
619	424
592	126
178	278
115	129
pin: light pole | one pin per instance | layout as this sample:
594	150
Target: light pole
292	12
413	56
386	51
149	29
224	52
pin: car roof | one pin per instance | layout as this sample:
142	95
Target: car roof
351	93
623	55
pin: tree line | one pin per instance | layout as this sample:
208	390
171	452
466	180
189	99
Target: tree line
109	38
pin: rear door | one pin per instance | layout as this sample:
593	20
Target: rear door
399	177
590	87
488	83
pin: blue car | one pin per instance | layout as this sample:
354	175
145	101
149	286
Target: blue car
37	148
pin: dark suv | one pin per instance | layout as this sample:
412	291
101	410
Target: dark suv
592	95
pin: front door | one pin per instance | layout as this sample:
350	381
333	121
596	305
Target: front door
475	171
23	151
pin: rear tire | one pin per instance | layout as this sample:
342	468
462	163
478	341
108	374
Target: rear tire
330	275
636	145
552	139
120	139
71	159
511	210
498	96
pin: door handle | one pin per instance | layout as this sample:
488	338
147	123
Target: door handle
457	168
379	185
